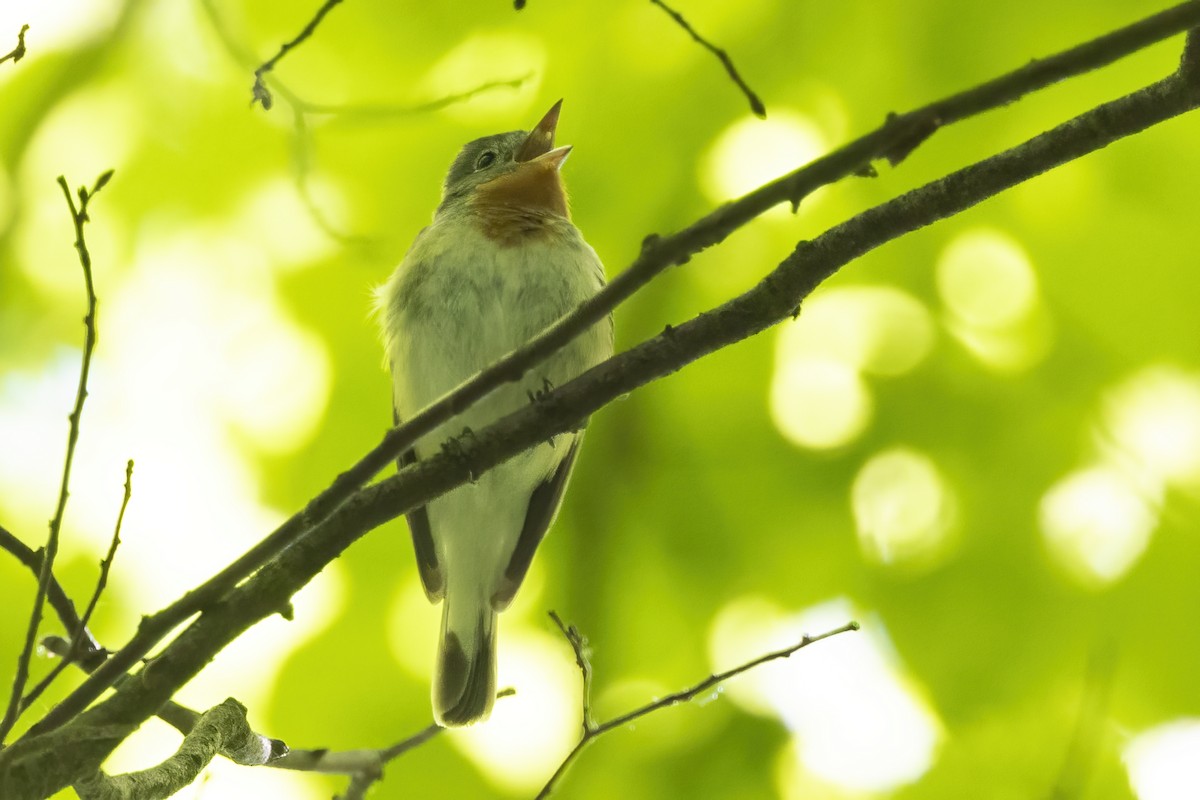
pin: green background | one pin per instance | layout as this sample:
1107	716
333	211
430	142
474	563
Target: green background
689	500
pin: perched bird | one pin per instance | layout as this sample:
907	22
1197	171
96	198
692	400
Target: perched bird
500	262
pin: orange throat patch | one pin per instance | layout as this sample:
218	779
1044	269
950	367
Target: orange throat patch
528	203
532	187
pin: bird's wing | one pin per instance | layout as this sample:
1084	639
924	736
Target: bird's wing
543	504
432	578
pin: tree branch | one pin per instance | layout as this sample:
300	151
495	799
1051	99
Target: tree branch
363	767
742	317
592	730
79	216
76	644
756	104
302	109
18	52
261	93
222	730
91	653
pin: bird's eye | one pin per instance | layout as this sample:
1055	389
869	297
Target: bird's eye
486	158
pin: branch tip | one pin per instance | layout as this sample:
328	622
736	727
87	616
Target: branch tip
756	103
1189	63
18	52
18	701
259	91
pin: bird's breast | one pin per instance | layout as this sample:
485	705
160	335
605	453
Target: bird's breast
461	302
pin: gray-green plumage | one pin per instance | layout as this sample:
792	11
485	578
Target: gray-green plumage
497	265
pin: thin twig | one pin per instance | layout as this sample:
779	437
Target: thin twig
90	651
671	351
756	103
81	631
583	661
18	52
260	91
302	109
79	217
591	730
358	111
364	767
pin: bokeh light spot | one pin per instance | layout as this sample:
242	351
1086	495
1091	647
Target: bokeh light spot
986	279
530	733
1153	418
858	722
738	631
54	25
413	626
752	151
1162	761
1007	350
878	329
819	403
1096	523
273	215
903	508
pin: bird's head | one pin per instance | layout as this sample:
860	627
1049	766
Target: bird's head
517	169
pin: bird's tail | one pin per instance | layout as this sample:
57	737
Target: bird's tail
464	680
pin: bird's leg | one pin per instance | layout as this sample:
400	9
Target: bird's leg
540	394
453	447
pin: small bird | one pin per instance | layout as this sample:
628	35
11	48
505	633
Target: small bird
500	262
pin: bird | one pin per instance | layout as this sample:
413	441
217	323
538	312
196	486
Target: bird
500	262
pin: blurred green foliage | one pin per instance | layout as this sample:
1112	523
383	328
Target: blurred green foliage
688	496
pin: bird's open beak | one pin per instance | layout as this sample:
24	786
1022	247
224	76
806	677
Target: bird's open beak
539	144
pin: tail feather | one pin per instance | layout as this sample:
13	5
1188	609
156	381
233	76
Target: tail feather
464	681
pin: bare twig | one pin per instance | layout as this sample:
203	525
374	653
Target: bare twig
592	730
262	94
90	651
81	631
584	662
303	109
372	111
18	52
364	767
742	317
79	216
756	103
